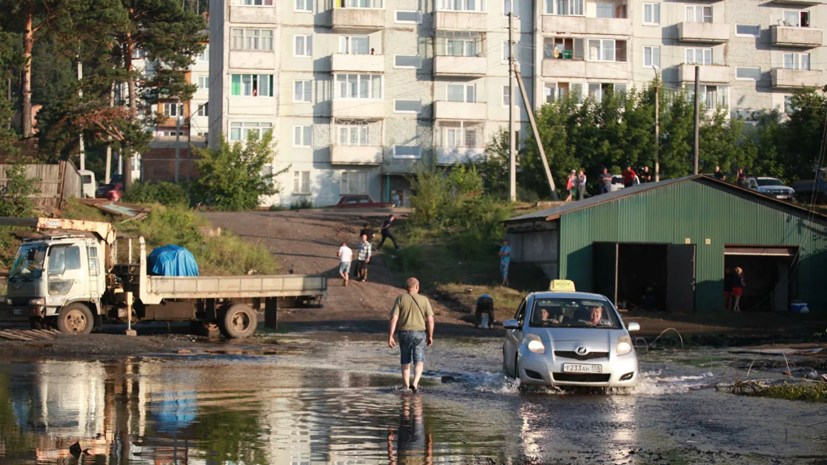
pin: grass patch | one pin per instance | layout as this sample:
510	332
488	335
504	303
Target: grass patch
809	392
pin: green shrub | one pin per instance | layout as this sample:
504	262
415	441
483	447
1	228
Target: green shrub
301	204
164	193
277	208
15	195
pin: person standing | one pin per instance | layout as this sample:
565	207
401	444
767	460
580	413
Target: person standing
742	177
367	231
387	233
395	199
571	184
719	175
581	185
345	256
413	316
362	259
737	288
505	261
645	175
629	176
605	181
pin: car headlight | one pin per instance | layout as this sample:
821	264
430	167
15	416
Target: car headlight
624	345
534	344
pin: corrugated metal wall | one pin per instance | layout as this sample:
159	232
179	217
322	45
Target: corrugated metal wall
697	210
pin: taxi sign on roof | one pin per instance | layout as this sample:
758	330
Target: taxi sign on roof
561	285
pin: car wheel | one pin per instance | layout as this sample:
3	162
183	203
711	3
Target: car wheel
75	319
517	366
239	321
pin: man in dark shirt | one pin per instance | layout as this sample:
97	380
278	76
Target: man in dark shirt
645	175
366	231
719	175
387	234
605	181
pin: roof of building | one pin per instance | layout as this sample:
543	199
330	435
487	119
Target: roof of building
555	212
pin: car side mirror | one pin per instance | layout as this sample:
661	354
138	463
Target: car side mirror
633	326
511	324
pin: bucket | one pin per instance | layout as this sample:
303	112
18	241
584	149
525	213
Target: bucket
567	54
799	308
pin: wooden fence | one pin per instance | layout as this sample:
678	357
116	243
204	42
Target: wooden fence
57	182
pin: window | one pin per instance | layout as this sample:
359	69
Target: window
712	97
507	51
251	85
651	13
797	61
651	57
254	2
507	5
407	151
411	17
460	134
565	7
462	93
301	91
301	182
506	96
173	109
563	47
605	10
601	50
302	136
353	134
797	18
63	258
252	39
138	54
362	4
244	131
404	61
749	31
459	44
598	90
358	86
203	82
92	254
354	45
304	5
748	74
303	46
698	14
556	91
204	55
407	106
699	56
353	182
203	110
461	5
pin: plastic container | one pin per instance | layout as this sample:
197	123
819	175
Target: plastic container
567	54
800	307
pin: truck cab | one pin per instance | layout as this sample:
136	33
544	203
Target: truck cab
87	184
58	276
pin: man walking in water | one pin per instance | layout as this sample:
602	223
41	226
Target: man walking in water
413	316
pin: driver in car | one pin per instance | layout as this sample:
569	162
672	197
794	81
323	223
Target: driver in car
596	316
547	318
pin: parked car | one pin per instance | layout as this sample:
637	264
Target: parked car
617	183
569	339
360	201
111	192
812	190
771	187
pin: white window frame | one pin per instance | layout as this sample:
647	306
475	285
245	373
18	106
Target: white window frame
800	61
450	41
204	55
655	12
406	67
359	4
259	78
346	43
405	100
203	110
721	95
337	94
303	91
797	14
465	6
246	127
465	88
303	135
460	135
407	157
611	7
507	4
255	3
303	6
748	35
306	47
602	49
652	61
355	135
247	35
694	60
748	78
203	81
574	8
418	17
506	93
693	17
299	178
346	179
173	109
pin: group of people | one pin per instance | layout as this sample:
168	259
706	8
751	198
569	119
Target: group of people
733	288
576	183
364	252
740	176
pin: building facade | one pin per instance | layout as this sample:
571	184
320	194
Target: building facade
359	92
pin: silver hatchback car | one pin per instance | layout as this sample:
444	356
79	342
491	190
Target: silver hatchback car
569	339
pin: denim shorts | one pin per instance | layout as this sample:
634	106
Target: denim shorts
344	267
412	345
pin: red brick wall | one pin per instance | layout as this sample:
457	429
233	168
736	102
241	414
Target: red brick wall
159	165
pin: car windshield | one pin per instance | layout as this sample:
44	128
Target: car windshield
770	182
573	313
28	264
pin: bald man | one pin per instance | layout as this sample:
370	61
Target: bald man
413	316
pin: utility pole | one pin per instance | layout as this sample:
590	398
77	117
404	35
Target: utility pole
80	94
108	175
536	135
697	115
178	115
657	125
512	144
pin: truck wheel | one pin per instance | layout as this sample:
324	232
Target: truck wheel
239	321
75	319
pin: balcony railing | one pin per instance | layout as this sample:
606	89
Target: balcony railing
703	32
806	37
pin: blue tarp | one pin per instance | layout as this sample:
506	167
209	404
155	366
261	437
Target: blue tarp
172	260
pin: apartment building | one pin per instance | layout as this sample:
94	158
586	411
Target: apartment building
358	92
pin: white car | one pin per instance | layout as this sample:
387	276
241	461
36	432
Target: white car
569	339
771	187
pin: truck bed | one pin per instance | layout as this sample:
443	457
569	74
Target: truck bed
230	287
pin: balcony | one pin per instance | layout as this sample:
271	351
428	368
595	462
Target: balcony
361	63
253	14
461	155
783	78
474	111
799	2
244	59
355	155
367	19
796	36
460	66
709	73
461	21
583	25
703	32
358	108
581	69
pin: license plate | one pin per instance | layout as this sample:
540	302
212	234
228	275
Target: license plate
17	311
582	368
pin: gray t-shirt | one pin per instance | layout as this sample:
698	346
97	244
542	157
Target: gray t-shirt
606	179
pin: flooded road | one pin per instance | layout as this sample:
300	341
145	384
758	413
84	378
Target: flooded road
336	399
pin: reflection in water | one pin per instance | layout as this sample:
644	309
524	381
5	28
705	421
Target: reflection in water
413	442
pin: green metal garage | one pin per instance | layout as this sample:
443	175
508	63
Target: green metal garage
668	243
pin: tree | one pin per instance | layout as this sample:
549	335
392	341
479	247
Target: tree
15	195
10	62
232	177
